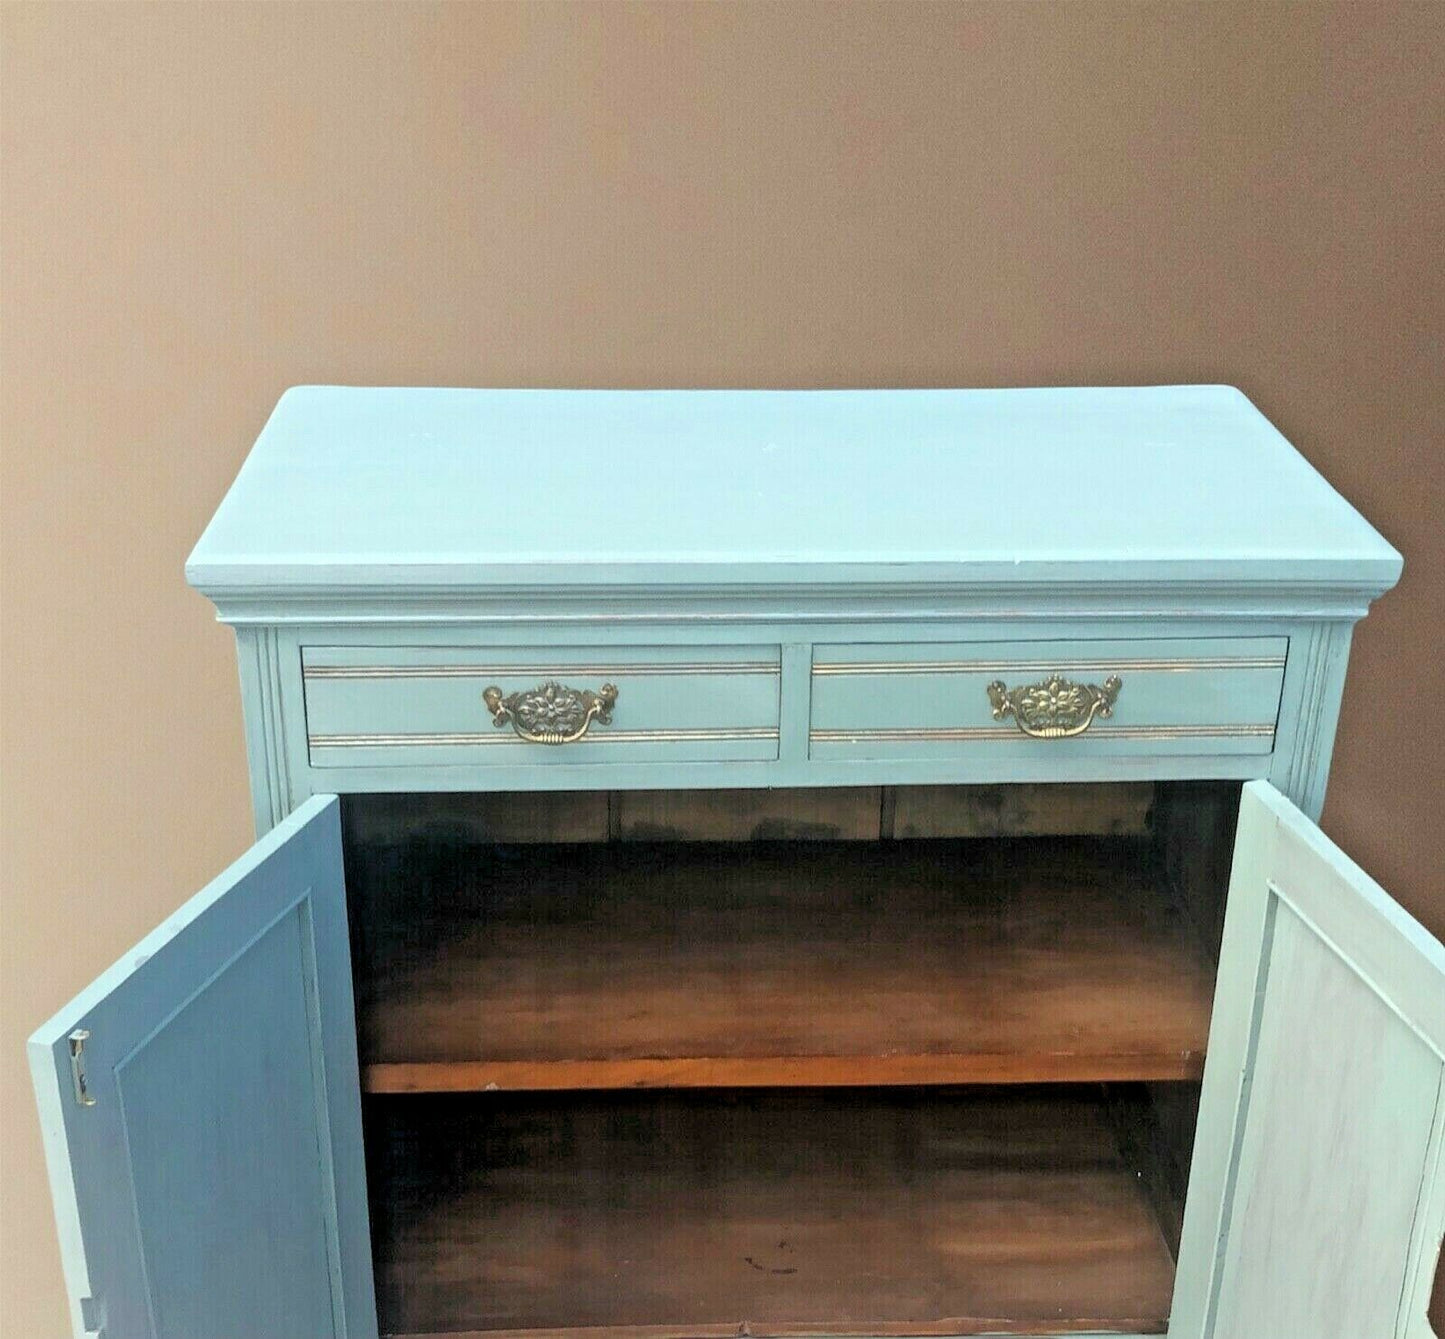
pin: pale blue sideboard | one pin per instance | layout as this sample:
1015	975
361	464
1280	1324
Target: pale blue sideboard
393	534
763	590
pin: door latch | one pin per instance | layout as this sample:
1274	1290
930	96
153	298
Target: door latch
78	1038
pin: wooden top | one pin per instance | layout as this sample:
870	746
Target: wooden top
352	488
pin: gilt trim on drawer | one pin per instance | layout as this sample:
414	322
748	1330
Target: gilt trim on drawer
609	736
987	732
1044	666
539	671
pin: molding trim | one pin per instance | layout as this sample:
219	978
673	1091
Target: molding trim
263	702
1320	655
893	602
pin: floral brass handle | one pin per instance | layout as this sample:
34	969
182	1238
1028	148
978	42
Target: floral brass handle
1058	708
551	713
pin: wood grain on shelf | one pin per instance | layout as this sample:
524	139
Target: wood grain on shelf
519	816
1116	808
845	813
832	813
781	964
762	1213
961	1327
809	1071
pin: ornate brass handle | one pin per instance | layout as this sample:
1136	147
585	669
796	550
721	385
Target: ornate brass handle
1058	708
551	713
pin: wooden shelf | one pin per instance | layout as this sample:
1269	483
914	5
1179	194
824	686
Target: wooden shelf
781	965
882	1212
699	966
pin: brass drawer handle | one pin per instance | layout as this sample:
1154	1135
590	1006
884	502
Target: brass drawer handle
551	713
1058	708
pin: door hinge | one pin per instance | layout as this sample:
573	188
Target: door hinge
78	1038
90	1317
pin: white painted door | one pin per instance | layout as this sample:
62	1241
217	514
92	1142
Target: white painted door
202	1113
1317	1195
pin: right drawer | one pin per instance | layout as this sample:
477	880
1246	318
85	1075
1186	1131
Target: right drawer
1150	698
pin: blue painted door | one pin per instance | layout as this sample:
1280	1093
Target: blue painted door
202	1113
1317	1191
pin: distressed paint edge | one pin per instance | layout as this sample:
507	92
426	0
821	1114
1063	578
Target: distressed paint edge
50	1080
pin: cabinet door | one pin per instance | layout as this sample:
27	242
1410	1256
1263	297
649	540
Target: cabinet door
202	1113
1317	1196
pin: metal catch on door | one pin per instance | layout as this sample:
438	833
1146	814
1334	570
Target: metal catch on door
78	1038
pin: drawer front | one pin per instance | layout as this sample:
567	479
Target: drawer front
439	706
1039	699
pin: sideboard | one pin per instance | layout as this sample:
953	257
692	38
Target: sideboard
770	863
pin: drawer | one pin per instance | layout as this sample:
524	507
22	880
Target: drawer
438	706
1019	699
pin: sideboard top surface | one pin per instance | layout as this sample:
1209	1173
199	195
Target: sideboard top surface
373	487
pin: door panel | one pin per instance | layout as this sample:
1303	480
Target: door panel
1316	1201
213	1187
1370	1092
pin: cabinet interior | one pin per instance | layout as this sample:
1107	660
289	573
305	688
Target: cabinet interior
887	1061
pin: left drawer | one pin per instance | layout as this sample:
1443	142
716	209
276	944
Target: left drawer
429	706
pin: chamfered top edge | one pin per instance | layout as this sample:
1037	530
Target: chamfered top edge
356	486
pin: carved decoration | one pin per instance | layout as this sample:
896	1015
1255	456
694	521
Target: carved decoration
551	713
1057	708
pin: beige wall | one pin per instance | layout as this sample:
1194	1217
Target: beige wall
206	203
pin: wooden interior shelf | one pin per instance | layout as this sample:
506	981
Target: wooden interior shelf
775	964
884	1212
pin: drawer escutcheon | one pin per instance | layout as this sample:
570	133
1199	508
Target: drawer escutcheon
1057	708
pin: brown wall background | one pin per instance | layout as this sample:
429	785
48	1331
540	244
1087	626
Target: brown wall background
206	203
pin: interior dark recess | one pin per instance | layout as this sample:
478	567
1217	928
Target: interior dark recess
887	1061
